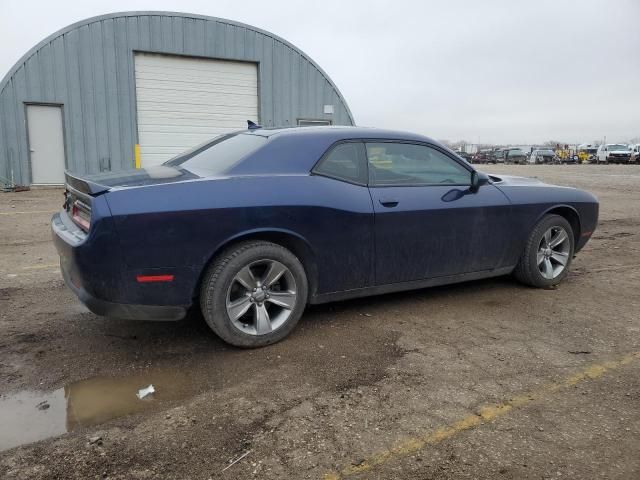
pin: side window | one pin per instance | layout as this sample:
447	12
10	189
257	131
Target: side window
409	164
345	162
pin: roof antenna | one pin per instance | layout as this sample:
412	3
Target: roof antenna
252	125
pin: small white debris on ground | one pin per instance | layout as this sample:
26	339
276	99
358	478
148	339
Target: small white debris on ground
144	392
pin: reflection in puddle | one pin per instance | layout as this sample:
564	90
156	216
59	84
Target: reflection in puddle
29	416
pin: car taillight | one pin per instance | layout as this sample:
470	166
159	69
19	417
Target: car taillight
81	215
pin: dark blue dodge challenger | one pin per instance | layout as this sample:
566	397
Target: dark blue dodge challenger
254	225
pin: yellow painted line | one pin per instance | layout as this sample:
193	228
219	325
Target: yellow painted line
32	211
485	414
35	267
136	153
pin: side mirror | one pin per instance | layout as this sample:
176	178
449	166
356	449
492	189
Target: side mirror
475	181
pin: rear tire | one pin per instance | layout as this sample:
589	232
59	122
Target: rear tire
253	294
548	252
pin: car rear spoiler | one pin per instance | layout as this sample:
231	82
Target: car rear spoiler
84	186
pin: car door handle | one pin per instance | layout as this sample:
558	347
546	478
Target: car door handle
388	202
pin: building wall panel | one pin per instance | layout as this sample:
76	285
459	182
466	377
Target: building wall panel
88	68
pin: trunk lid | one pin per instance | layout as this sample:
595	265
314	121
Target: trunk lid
83	185
99	183
80	191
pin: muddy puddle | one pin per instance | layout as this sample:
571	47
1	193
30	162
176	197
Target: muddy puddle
29	416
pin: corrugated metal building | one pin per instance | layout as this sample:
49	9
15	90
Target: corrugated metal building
130	89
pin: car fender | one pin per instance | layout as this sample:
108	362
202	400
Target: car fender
568	207
300	247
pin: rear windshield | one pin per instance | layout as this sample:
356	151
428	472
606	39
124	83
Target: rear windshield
219	155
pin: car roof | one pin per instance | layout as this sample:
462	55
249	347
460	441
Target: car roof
339	131
292	150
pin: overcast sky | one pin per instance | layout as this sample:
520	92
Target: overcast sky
481	70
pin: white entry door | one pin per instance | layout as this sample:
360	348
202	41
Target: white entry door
183	102
46	144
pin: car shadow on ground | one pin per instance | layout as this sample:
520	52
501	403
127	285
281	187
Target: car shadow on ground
194	331
365	305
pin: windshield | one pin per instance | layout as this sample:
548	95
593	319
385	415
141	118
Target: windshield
219	155
618	147
545	152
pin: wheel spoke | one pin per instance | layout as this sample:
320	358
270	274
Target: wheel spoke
274	272
238	307
246	279
282	299
263	322
560	257
540	257
558	238
548	269
547	237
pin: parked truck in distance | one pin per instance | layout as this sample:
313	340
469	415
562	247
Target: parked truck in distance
613	153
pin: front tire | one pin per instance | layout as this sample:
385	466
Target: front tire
547	254
253	294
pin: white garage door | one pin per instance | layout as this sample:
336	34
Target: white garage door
183	102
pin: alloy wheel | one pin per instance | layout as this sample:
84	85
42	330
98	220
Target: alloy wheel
553	252
261	297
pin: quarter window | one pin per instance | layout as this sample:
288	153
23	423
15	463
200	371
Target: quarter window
410	164
345	162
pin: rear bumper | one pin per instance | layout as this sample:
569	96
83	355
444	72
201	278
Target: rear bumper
103	282
123	310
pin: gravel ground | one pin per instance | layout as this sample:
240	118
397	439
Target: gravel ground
487	379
